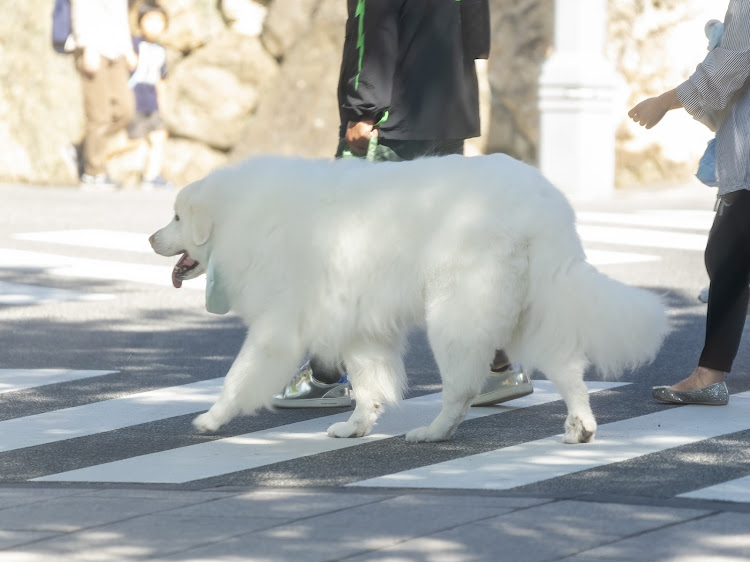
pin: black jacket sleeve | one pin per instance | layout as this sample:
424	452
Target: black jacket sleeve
367	87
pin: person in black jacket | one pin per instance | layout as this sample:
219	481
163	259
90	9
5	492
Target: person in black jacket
405	68
408	78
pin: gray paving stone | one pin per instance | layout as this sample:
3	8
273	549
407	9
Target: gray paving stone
478	501
147	537
720	537
9	539
545	532
186	496
278	504
11	497
347	532
18	556
243	549
434	549
74	513
609	518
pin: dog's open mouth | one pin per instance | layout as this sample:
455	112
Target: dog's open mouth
184	266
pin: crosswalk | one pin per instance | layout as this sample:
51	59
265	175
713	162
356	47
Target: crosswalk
145	437
38	439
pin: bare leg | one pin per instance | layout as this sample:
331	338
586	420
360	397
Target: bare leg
699	378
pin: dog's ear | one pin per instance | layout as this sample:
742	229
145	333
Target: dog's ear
201	223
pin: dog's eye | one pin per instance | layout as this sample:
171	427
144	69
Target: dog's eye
177	218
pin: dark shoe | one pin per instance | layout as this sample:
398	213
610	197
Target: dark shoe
712	395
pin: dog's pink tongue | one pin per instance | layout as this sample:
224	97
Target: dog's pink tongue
185	263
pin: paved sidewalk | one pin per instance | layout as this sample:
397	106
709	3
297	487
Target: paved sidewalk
263	524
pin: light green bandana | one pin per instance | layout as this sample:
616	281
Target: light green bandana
217	301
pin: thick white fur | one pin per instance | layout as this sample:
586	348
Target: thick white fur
342	258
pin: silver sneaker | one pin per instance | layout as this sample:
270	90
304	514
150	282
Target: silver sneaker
305	391
503	385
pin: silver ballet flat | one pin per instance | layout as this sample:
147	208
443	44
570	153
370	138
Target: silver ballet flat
712	395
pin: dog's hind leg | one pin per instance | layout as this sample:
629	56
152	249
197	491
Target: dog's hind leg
463	360
262	367
378	376
468	318
567	376
462	380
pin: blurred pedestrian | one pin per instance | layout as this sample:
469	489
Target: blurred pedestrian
719	84
104	58
147	83
408	89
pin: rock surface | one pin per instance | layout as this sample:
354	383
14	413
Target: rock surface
251	76
211	93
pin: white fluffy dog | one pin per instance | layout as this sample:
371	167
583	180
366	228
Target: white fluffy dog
343	258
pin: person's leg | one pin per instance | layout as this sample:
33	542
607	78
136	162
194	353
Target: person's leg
728	265
96	111
413	149
325	373
446	147
121	97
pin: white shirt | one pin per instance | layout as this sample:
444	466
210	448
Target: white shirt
102	25
719	84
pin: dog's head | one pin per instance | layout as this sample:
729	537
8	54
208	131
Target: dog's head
188	234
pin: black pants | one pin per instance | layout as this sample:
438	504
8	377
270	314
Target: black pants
398	150
728	265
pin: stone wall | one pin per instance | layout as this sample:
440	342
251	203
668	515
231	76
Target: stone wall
251	76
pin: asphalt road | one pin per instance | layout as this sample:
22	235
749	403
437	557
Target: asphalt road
81	294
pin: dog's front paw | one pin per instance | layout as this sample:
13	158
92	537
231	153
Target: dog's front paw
344	429
206	423
579	429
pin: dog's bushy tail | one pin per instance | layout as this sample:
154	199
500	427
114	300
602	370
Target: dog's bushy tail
575	312
619	327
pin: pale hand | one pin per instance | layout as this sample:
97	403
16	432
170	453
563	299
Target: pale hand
650	111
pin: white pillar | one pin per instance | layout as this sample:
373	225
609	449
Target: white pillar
577	92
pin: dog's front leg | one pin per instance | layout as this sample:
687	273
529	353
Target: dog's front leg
261	368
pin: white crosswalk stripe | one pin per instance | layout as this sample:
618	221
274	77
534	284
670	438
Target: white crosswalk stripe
549	458
107	415
737	490
22	294
86	268
21	379
642	237
657	219
92	238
